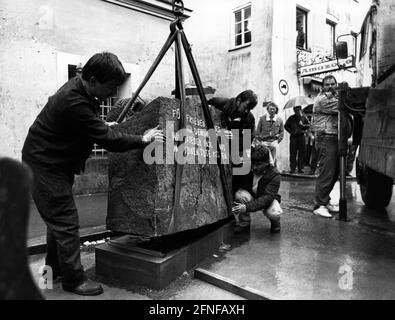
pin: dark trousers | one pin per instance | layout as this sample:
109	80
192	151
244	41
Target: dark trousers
352	149
313	158
52	194
328	159
297	151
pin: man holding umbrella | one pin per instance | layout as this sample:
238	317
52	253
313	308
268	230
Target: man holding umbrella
296	125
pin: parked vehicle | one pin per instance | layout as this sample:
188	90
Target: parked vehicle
373	104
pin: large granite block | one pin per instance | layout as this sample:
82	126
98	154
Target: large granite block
141	195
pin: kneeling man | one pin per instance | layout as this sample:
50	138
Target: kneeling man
259	192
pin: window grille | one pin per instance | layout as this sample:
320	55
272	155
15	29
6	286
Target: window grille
105	108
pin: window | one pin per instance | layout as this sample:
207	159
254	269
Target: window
301	29
330	37
242	26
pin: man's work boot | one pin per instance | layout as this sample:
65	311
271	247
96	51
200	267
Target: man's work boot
275	226
86	288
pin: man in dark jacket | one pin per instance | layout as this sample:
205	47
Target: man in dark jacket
58	143
236	114
259	191
296	125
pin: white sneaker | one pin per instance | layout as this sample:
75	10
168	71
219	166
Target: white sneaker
333	208
323	212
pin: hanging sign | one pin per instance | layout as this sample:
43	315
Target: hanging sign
325	67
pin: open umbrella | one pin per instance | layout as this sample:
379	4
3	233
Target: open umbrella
298	101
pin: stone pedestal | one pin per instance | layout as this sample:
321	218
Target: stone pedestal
155	264
141	195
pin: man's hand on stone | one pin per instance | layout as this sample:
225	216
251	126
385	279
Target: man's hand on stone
154	134
112	123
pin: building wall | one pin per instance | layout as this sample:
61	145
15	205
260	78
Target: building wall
272	55
38	37
231	71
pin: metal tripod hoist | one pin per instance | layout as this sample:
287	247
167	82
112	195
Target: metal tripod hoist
177	36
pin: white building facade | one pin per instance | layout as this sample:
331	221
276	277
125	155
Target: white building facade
278	48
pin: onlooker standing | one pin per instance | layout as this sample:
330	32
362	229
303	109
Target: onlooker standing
270	130
296	125
57	145
325	126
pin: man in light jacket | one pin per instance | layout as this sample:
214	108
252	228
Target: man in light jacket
325	126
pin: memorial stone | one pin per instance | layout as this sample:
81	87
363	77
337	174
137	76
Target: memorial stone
141	193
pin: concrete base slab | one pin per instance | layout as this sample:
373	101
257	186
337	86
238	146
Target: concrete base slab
159	261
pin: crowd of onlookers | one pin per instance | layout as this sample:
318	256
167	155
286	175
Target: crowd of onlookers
313	143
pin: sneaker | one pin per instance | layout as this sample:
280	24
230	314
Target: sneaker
300	171
86	288
323	212
292	172
333	208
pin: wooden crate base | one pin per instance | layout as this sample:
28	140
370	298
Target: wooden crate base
156	263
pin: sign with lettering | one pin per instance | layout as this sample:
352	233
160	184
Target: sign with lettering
326	67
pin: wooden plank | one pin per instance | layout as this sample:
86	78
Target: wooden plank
230	285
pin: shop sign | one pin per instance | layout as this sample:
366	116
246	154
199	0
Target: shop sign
325	67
